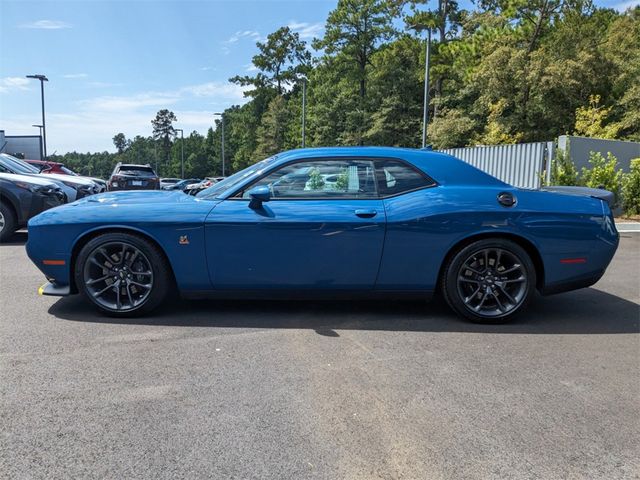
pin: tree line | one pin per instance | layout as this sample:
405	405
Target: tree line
504	71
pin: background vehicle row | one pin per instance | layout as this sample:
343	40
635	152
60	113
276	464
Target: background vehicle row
30	187
22	197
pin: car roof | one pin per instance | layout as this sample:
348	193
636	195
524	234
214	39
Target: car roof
443	168
45	162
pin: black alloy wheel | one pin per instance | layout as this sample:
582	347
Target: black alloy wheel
122	274
489	281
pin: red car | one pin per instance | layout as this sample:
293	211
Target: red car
47	166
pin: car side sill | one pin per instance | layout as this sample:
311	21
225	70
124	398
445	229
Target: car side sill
303	294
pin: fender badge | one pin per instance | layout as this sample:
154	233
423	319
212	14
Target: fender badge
183	240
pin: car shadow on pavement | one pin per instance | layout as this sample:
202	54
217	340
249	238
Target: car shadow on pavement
18	238
586	311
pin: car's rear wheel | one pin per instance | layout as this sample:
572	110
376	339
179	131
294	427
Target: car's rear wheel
123	274
489	281
8	223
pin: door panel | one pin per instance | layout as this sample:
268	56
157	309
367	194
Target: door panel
323	244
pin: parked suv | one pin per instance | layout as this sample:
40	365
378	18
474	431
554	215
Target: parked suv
133	177
22	197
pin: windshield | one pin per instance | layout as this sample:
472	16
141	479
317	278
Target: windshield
13	163
68	172
216	190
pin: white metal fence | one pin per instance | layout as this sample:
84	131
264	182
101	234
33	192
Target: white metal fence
521	165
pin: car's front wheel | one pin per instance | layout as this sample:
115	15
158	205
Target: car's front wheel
489	281
122	274
7	222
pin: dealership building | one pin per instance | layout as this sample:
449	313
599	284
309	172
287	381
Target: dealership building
21	146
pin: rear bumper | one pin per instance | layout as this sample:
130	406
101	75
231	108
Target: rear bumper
132	187
573	284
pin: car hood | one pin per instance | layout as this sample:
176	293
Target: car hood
137	197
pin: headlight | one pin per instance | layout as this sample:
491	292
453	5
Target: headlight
32	187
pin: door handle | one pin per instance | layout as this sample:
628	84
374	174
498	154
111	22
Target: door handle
366	213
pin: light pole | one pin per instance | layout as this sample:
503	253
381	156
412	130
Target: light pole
425	108
181	150
39	127
42	79
427	59
222	148
304	107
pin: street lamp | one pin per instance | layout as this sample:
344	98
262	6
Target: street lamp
42	79
181	150
222	122
40	129
425	108
304	107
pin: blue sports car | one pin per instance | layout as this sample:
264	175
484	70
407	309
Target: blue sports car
330	221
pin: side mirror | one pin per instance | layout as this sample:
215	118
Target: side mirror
258	195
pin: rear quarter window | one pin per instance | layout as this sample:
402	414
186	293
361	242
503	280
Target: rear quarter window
396	177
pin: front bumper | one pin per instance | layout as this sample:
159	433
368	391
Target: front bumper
51	289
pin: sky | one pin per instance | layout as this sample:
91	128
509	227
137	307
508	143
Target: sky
113	64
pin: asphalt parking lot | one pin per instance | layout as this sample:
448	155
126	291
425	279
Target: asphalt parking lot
364	390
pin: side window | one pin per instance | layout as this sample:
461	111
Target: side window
321	179
396	177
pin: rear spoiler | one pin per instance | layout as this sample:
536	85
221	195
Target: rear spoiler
599	193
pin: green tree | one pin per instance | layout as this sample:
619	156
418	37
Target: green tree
451	129
353	32
163	130
281	59
271	134
446	21
396	91
563	170
590	121
631	189
603	174
120	142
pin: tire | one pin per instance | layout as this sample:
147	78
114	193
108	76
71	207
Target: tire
123	274
489	281
8	222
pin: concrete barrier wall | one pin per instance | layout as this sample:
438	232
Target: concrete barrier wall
581	147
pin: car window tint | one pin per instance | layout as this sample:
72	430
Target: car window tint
321	179
396	177
137	170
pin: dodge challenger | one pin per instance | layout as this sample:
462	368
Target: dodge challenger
347	222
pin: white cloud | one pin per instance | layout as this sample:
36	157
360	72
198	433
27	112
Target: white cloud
250	67
132	102
623	6
307	31
90	124
251	34
75	75
104	84
46	25
9	84
225	90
